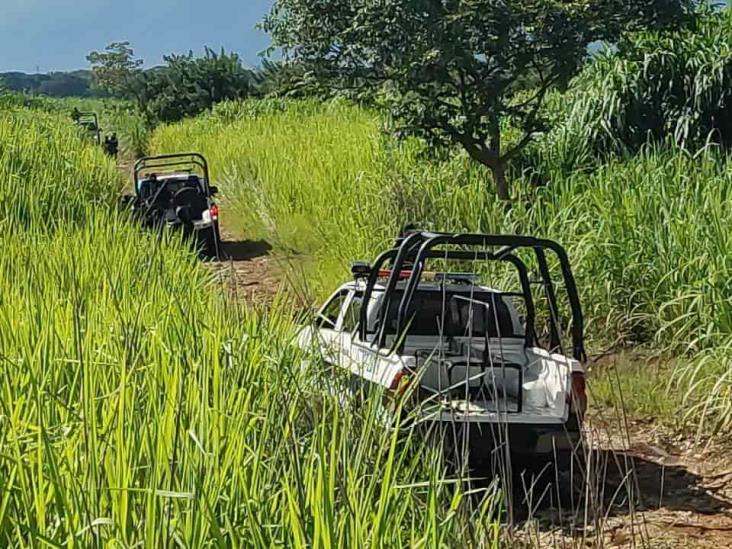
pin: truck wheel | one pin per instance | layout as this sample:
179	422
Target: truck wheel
571	475
212	242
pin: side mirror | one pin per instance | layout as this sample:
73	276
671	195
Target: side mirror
361	270
213	190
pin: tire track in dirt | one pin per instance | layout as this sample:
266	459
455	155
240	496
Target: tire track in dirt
247	269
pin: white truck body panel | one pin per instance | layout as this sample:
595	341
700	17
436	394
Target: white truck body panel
540	378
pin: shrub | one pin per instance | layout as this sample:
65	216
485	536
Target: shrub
190	85
656	87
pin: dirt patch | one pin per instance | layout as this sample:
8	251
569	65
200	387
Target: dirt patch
248	271
683	486
648	487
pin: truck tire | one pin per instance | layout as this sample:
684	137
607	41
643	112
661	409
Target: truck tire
212	242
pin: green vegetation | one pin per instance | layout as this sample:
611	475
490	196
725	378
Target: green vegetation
140	408
54	84
458	73
633	382
116	116
116	70
659	87
323	180
185	86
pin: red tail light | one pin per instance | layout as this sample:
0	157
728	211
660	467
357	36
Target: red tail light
578	396
214	212
385	273
400	383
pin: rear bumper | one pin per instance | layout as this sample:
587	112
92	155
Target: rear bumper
203	225
524	440
545	440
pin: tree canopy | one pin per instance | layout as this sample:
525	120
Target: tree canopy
184	86
116	70
457	71
188	85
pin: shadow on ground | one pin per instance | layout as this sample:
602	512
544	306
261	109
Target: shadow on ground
622	489
245	250
651	485
620	484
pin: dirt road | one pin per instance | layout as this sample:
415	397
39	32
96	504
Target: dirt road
247	269
648	487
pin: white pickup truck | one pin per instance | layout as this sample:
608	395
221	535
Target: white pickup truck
467	353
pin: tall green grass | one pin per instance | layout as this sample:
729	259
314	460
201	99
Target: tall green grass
46	176
139	407
662	86
649	235
320	180
115	116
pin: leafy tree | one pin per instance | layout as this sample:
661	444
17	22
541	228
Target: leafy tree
116	70
188	85
457	71
287	79
54	84
655	86
184	86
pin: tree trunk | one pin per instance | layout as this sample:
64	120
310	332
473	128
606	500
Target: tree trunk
491	159
498	169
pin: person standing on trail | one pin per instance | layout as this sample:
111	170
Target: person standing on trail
111	145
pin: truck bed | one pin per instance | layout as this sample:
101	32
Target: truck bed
543	389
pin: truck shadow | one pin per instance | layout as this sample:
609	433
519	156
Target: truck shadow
650	485
244	250
619	484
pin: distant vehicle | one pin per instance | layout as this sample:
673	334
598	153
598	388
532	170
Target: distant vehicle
174	191
469	354
89	122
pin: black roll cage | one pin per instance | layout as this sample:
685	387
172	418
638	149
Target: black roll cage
417	247
191	163
85	119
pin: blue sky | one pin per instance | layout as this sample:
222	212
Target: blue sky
58	34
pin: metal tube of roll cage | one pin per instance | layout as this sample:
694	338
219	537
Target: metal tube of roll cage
407	245
530	335
555	340
368	292
172	160
431	240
